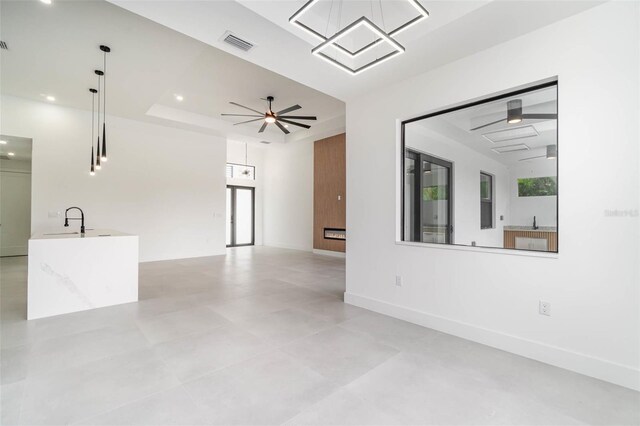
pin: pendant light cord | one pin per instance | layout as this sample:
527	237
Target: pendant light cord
98	162
384	27
93	118
104	88
326	30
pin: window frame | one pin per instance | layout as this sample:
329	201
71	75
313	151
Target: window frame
241	165
490	201
551	82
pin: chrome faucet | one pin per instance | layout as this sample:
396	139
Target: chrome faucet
81	218
534	223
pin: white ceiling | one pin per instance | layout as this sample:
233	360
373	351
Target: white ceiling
456	126
53	50
454	29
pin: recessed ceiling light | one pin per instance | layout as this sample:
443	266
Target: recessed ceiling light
11	154
46	1
3	142
286	126
179	98
50	98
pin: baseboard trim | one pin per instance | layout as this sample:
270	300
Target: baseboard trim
618	374
339	254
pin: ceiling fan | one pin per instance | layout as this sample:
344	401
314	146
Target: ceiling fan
271	117
515	115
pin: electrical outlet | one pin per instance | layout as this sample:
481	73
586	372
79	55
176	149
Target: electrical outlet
398	281
544	308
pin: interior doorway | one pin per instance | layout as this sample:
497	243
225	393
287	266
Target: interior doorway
15	195
240	226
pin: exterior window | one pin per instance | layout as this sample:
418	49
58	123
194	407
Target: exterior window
240	171
537	187
486	201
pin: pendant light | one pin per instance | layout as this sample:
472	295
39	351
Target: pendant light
98	156
92	171
246	170
105	50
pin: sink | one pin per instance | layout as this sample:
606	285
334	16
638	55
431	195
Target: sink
62	233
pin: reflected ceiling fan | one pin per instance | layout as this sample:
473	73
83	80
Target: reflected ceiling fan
515	115
271	117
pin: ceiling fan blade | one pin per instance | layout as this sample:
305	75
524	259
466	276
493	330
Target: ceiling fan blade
281	127
294	123
488	124
250	109
248	121
299	117
241	115
541	116
264	125
291	108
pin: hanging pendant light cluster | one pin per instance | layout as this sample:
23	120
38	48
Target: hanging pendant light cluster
380	36
101	151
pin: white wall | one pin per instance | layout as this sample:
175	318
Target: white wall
492	296
288	183
255	157
288	195
164	184
522	209
467	165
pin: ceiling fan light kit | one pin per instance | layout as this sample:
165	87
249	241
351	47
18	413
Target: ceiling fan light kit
514	111
333	41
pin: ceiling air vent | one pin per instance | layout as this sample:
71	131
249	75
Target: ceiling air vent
237	42
509	134
265	142
510	148
3	45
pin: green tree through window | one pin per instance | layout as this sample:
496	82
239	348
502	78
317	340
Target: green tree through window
537	187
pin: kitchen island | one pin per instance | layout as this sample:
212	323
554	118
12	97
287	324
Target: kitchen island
70	271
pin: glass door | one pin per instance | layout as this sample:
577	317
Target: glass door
240	226
427	199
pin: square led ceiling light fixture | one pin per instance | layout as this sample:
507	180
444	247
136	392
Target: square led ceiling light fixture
295	19
359	23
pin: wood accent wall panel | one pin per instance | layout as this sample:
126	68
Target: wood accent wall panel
329	183
551	237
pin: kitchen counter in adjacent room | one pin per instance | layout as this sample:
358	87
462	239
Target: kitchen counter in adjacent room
543	238
70	272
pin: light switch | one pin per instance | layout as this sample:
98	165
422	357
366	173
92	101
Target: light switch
339	197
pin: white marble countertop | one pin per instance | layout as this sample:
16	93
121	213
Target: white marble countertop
530	228
90	233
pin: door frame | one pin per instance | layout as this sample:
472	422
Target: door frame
420	158
233	213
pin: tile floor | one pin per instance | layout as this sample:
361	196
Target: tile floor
261	336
